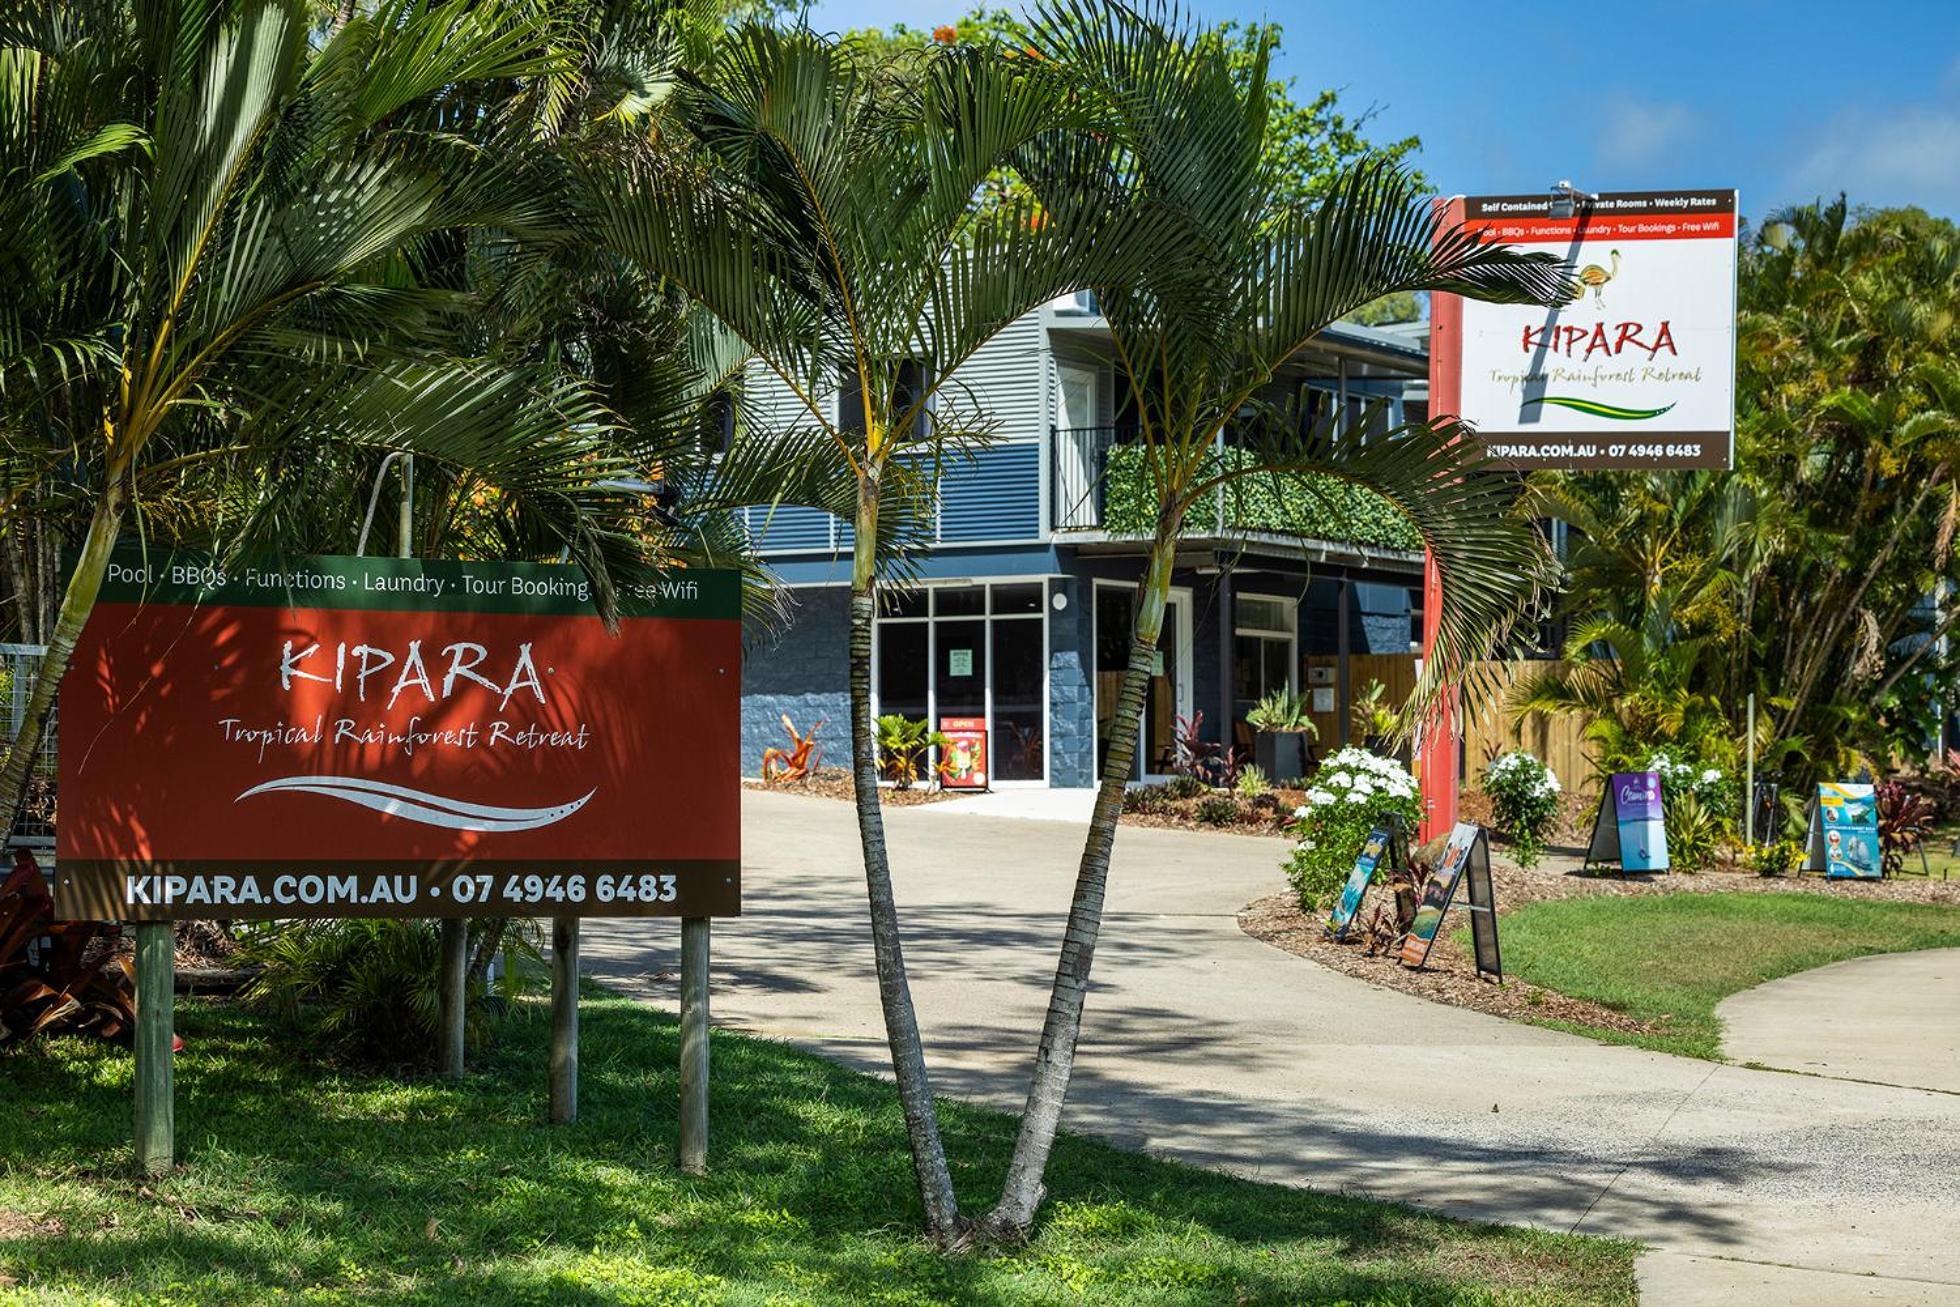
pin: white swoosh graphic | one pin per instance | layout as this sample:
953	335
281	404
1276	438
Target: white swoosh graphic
416	805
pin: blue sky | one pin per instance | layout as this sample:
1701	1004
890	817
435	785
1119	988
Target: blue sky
1785	101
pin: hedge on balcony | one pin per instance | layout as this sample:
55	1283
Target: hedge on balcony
1311	504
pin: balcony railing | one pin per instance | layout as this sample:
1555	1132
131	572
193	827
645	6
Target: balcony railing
1100	482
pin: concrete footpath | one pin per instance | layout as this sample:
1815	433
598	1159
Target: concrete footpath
1207	1046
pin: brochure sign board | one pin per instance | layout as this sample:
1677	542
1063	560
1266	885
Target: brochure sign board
1629	828
1466	844
1373	849
1844	842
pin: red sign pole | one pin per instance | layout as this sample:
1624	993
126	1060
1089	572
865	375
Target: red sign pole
1439	729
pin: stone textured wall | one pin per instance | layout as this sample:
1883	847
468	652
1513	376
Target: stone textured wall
803	671
1071	687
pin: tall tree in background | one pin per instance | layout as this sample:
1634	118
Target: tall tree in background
217	220
1256	268
1820	574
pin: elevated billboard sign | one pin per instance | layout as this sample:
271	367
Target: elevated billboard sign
337	737
1637	371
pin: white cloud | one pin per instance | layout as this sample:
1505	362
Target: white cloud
1909	156
1640	132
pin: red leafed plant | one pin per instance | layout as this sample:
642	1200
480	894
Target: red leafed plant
1905	819
57	975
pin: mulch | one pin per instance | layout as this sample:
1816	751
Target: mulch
1450	975
836	783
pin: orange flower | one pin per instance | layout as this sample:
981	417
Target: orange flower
946	34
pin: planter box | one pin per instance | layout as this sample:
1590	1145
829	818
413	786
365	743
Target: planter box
1282	755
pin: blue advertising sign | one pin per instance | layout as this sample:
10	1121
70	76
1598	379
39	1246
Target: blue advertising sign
1844	833
1629	828
1637	813
1357	882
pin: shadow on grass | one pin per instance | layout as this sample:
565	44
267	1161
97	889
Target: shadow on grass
299	1175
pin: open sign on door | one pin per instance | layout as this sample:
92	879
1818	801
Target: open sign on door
963	758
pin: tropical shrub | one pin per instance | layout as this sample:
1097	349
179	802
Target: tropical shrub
1185	787
1694	833
1206	761
1905	819
1216	810
1282	711
1370	714
1353	792
57	976
1252	782
1775	858
1147	799
371	981
1525	797
903	744
1713	788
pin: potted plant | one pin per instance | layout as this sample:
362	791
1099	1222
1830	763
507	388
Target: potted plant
1372	719
1284	725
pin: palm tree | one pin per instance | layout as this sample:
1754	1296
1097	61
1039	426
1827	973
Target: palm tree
823	207
223	223
1250	279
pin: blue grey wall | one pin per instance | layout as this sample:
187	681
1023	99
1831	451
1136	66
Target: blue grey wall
1071	687
803	671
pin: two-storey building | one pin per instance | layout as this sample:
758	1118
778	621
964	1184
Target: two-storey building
1021	612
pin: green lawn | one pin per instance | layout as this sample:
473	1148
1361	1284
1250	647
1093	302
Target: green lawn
334	1185
1671	958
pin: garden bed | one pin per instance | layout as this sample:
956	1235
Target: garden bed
1616	992
836	783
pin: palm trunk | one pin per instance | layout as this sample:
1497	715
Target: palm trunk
1054	1061
76	604
935	1179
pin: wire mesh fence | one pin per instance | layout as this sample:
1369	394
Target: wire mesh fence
19	665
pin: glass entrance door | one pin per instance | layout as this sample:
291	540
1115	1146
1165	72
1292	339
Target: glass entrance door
1168	696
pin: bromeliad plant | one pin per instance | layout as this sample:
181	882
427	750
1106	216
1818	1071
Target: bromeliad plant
1526	796
1353	792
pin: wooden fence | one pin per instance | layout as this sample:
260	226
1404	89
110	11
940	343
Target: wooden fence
1489	729
1488	726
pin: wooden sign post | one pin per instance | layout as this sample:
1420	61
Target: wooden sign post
383	737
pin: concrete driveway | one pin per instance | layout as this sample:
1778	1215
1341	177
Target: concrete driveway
1205	1045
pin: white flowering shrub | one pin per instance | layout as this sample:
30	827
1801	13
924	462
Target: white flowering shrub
1699	805
1353	792
1711	786
1525	797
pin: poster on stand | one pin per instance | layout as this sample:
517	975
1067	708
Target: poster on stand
1629	828
1844	842
963	758
1379	844
1483	913
1466	844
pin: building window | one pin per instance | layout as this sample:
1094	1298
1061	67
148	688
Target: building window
1266	637
971	651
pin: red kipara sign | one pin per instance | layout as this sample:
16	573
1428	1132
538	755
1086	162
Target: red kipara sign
383	737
